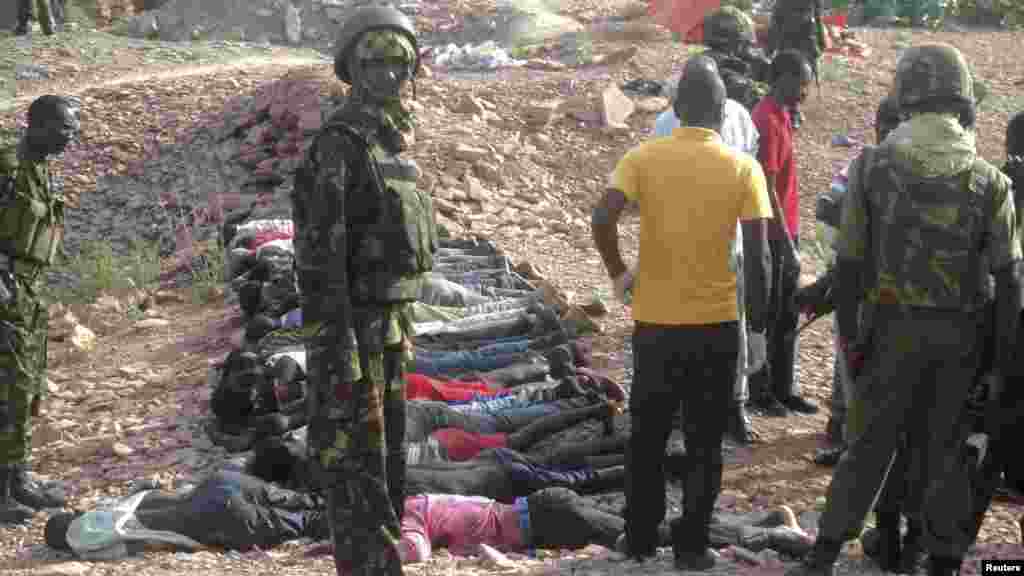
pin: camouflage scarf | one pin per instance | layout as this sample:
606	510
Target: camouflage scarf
933	145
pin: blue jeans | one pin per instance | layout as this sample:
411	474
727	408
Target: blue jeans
509	345
506	413
465	361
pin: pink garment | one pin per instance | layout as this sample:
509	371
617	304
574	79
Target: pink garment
261	238
460	523
420	387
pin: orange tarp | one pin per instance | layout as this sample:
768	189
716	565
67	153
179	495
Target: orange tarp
684	17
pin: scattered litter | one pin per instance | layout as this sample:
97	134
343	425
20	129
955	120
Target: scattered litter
844	140
486	56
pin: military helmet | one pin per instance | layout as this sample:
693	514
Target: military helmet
728	25
932	71
371	17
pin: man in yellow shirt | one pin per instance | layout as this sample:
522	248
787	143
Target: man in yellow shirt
691	189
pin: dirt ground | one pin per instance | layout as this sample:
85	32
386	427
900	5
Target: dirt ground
141	385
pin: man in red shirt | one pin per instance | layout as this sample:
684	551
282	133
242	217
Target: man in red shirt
791	78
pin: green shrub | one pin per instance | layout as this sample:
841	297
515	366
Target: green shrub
1008	12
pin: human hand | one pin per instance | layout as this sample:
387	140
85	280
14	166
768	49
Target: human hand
623	286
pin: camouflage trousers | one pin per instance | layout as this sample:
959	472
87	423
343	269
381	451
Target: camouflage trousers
22	368
910	395
357	438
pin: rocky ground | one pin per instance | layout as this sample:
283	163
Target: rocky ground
177	134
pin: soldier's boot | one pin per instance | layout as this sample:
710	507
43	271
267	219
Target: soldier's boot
913	552
820	562
24	26
11	511
33	493
44	11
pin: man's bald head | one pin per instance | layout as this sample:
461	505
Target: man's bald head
700	96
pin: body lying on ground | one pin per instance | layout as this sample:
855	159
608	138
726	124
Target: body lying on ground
257	398
239	512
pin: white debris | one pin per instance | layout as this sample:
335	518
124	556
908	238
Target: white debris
486	56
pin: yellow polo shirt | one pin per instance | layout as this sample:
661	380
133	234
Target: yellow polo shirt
691	189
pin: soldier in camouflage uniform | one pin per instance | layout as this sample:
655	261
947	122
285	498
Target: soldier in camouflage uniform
364	237
797	25
31	227
925	218
729	36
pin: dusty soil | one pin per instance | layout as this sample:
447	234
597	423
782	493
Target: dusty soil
141	386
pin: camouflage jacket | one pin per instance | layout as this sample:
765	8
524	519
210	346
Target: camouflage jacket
928	217
797	24
31	210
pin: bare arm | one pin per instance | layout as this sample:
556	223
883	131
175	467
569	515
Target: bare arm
757	262
604	226
780	217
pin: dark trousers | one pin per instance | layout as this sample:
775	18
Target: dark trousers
694	366
560	518
1002	465
25	10
781	363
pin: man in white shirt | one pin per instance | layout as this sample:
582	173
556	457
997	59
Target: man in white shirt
740	134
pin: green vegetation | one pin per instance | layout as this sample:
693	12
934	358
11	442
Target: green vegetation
99	270
208	278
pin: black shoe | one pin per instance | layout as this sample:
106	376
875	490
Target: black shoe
35	494
799	404
820	562
788	541
772	407
696	561
11	510
829	456
22	30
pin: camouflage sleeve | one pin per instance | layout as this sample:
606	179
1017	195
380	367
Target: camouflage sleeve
853	241
319	214
1003	242
6	189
